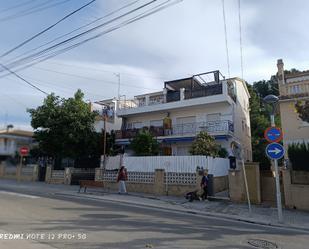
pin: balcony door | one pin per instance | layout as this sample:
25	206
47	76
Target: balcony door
185	125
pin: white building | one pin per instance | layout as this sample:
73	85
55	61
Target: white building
204	102
12	140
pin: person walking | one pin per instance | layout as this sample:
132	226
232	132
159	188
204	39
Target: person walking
121	179
204	185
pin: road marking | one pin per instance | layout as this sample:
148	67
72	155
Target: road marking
20	195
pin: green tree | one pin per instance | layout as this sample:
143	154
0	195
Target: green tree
204	144
303	110
144	144
259	122
64	127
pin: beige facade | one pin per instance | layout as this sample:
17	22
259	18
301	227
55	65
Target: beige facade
219	107
293	87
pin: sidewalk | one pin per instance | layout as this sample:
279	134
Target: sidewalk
218	208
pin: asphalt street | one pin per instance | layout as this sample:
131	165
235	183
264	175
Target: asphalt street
49	220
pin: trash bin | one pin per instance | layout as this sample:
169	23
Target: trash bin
232	162
210	188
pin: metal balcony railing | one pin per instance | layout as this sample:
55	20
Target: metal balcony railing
212	127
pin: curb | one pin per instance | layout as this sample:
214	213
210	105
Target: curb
190	211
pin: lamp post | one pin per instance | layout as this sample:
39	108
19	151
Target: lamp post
272	100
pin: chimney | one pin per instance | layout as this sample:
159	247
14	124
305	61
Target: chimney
280	67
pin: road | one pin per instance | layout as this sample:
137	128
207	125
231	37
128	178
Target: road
51	220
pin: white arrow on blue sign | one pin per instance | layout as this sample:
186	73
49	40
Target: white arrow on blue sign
275	151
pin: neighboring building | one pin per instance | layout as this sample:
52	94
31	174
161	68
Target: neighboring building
109	107
204	102
12	140
293	87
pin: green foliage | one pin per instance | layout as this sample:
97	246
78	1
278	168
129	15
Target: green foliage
303	110
259	122
222	152
204	144
64	127
299	156
144	144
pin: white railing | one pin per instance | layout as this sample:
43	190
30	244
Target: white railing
178	164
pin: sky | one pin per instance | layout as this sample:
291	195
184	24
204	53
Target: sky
185	39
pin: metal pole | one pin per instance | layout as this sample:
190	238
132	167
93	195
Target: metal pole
246	186
104	142
277	177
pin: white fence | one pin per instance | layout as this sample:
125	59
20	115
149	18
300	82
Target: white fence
185	164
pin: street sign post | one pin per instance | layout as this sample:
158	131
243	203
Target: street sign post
275	151
273	134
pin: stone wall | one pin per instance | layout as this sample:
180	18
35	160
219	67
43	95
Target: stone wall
24	173
159	183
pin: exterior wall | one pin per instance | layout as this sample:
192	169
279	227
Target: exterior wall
241	119
294	129
296	195
237	188
268	188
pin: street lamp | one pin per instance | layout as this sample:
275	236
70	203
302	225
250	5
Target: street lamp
272	100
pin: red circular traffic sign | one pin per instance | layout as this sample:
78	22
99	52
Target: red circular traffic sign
273	134
24	151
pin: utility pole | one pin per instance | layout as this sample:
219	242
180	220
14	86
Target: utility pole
272	101
118	76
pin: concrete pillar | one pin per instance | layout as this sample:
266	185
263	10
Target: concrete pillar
2	170
182	94
48	174
164	95
147	100
68	175
159	186
199	176
98	175
254	182
35	173
286	180
236	185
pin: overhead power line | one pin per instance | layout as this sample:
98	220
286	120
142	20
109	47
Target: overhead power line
17	6
46	29
79	28
26	81
240	42
34	9
39	57
226	44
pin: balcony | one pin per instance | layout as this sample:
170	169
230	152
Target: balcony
222	127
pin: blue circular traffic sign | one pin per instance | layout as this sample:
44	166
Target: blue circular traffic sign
273	134
274	151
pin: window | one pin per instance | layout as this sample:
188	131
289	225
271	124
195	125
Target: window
295	89
185	120
156	123
213	117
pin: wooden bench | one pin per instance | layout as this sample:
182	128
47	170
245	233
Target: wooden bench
89	184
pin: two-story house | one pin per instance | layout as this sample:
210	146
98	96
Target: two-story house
293	87
12	140
203	102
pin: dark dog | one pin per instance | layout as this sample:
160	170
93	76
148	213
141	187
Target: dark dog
191	196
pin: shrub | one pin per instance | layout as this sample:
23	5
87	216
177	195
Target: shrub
299	156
